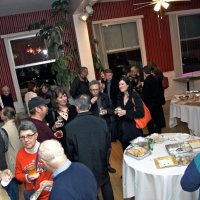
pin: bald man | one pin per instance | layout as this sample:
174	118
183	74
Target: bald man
70	180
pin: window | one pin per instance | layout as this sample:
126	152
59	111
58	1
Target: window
29	50
185	34
121	43
28	60
189	30
120	36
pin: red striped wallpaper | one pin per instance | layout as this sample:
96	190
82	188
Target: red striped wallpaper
19	23
158	49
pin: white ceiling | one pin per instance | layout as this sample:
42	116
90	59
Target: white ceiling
11	7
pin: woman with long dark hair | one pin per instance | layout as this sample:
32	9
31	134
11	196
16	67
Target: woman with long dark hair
127	111
60	114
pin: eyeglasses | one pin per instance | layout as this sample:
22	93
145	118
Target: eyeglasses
26	137
94	90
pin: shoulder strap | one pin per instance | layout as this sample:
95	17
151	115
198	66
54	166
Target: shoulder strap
4	136
133	102
36	165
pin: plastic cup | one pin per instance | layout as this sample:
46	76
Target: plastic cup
31	168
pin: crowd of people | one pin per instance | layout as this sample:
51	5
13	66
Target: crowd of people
63	149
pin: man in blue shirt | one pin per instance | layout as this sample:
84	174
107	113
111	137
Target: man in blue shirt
70	180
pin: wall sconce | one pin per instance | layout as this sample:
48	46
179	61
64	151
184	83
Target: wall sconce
83	16
88	11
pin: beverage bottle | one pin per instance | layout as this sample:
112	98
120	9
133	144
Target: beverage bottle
150	144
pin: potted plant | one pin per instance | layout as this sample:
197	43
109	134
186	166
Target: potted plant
98	66
52	37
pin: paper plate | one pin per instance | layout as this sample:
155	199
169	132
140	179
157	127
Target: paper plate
182	136
5	183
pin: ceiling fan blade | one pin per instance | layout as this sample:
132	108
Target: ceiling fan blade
164	4
175	0
148	2
145	6
157	7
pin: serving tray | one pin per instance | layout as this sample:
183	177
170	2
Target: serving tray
185	159
139	141
178	148
194	143
166	161
137	152
158	138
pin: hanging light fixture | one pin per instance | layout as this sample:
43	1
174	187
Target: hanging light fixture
159	4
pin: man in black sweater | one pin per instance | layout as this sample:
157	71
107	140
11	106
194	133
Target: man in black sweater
88	142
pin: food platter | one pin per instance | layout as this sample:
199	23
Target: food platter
185	158
157	137
166	161
194	143
139	141
137	152
178	148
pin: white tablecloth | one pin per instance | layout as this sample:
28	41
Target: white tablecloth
143	180
186	113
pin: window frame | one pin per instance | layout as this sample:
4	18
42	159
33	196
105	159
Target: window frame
176	41
7	38
103	52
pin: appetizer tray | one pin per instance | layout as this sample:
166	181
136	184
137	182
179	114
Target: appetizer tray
137	152
156	137
194	143
185	158
140	141
166	161
178	148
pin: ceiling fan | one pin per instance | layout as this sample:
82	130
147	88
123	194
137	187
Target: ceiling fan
158	4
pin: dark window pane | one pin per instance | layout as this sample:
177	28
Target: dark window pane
29	50
120	60
190	42
190	55
40	74
189	26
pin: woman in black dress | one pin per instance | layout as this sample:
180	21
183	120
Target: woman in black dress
127	111
60	114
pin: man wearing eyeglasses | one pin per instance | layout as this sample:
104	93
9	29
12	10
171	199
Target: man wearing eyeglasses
101	106
38	110
29	169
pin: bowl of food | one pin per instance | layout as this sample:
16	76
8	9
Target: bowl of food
137	152
139	141
157	137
